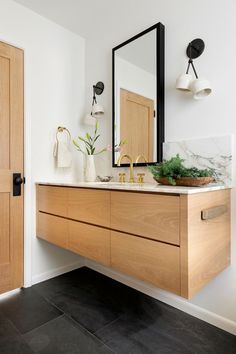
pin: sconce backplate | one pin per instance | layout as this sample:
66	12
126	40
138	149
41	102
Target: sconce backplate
195	48
98	88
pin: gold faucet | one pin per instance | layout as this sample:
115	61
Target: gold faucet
131	177
139	157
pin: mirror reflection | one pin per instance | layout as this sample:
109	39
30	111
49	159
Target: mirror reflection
135	127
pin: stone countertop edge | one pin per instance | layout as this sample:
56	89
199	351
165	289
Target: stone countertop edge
145	187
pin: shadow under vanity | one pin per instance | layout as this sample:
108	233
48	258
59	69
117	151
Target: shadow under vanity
175	238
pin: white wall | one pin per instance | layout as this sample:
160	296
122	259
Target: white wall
54	95
214	22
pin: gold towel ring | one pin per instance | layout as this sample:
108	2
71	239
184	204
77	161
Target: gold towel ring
62	130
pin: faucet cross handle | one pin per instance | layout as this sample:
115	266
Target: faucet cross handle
141	177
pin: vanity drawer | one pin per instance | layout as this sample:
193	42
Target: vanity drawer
52	229
90	241
52	200
153	216
148	260
89	205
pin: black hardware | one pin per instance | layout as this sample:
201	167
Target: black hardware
160	95
195	48
17	182
97	90
190	62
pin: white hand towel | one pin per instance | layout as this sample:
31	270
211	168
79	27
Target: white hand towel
62	153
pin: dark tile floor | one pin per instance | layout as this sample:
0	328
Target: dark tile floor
85	312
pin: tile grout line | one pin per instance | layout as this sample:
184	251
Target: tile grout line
88	332
36	328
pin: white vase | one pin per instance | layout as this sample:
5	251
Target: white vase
90	170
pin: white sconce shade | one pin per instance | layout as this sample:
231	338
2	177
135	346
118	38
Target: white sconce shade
200	88
90	120
184	81
97	110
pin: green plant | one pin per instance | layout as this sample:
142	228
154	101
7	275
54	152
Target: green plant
89	142
174	168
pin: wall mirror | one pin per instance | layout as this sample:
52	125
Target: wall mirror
138	98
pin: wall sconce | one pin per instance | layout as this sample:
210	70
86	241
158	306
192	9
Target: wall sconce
185	82
97	110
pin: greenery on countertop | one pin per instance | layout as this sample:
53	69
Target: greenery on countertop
174	168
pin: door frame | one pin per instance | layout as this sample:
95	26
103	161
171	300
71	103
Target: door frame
29	210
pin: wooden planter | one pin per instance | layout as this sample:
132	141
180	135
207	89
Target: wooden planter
187	181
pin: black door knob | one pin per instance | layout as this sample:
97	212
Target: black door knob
18	181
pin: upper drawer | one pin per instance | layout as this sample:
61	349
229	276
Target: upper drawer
52	200
89	205
147	215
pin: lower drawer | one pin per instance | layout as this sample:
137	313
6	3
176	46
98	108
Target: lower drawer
151	261
90	241
52	229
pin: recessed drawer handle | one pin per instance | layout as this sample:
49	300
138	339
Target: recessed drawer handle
214	212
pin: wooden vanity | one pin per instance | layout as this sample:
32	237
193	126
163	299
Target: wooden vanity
176	241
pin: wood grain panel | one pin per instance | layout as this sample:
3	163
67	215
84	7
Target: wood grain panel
137	125
205	244
5	228
151	261
53	229
150	215
52	200
4	113
90	241
89	205
5	181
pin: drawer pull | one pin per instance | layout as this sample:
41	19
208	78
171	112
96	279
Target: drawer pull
214	212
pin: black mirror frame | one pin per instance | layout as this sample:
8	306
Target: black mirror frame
160	82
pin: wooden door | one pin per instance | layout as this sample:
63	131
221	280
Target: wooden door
11	161
136	125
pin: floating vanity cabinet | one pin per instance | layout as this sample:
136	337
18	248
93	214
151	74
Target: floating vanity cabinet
177	241
155	262
89	205
90	241
53	229
149	215
67	217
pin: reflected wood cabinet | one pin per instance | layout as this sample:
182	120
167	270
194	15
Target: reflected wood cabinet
163	239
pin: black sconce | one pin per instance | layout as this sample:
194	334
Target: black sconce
185	82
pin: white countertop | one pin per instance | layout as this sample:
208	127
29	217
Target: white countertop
145	187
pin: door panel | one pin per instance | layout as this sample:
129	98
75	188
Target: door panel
137	125
5	111
11	160
5	228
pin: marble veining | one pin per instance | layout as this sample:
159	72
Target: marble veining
214	153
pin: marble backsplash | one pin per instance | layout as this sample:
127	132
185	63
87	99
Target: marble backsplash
213	152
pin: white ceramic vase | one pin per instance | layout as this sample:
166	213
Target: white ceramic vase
90	170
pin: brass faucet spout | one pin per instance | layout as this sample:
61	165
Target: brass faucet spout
141	157
131	177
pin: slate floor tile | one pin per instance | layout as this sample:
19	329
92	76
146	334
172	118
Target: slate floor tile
28	310
87	309
158	328
62	335
11	341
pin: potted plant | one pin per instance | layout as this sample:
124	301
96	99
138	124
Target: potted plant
173	172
